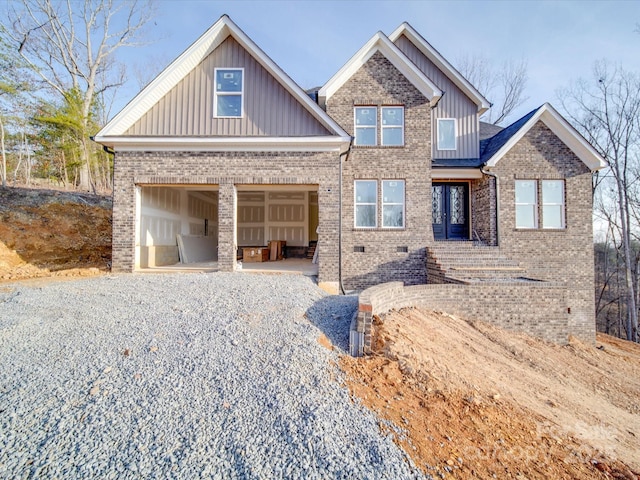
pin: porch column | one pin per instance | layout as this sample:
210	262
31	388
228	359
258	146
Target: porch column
227	213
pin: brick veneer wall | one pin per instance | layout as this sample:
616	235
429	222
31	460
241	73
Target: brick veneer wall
563	256
483	210
543	315
379	83
226	170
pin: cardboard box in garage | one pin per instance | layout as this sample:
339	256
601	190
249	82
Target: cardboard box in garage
255	254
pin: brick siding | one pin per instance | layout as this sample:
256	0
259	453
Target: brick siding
379	83
226	170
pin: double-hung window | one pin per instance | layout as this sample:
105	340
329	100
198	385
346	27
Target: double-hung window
392	125
228	93
553	204
366	125
366	203
526	204
393	203
446	134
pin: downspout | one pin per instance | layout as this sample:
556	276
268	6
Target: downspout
346	155
491	174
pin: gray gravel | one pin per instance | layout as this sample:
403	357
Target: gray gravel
182	376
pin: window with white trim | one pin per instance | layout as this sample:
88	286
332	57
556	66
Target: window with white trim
553	204
526	204
393	203
392	125
366	203
366	125
228	92
447	134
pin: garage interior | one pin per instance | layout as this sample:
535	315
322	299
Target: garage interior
177	227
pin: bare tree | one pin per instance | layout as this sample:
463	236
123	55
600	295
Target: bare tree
607	111
504	86
70	46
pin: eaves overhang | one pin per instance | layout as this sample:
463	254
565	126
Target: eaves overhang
189	59
445	67
226	144
562	129
380	43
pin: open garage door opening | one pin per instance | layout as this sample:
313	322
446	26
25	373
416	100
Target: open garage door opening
176	225
277	227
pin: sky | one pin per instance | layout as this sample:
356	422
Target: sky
311	40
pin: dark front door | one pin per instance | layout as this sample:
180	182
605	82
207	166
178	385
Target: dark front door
450	211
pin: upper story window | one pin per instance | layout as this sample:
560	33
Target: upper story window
366	203
366	125
392	125
228	93
553	204
526	204
447	134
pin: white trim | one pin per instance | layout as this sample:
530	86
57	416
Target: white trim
404	204
356	203
563	220
535	204
356	126
391	127
455	173
565	132
216	93
455	135
443	65
231	144
380	43
189	59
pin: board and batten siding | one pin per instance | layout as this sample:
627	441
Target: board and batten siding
187	110
453	104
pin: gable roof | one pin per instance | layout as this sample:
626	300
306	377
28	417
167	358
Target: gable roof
445	67
380	43
496	147
187	61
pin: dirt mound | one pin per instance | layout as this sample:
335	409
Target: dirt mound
53	233
476	401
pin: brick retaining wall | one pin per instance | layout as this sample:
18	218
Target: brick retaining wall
544	314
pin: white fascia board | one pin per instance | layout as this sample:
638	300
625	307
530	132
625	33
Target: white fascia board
563	130
455	173
226	144
167	79
189	59
380	43
285	80
449	70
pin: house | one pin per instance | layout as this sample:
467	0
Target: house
389	170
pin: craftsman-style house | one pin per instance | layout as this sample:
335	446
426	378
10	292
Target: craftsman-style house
386	168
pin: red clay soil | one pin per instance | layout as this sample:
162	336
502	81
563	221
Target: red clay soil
53	233
476	401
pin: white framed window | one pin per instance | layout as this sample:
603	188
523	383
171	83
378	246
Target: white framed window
553	204
366	203
526	204
228	97
447	133
392	121
366	125
393	201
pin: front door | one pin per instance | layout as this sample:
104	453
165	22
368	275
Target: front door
450	211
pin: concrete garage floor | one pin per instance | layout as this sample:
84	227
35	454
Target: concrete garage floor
296	266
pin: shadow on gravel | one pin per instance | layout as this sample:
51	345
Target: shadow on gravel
333	315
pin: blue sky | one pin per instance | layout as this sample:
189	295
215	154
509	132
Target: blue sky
311	40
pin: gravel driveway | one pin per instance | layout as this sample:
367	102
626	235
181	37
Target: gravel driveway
182	376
